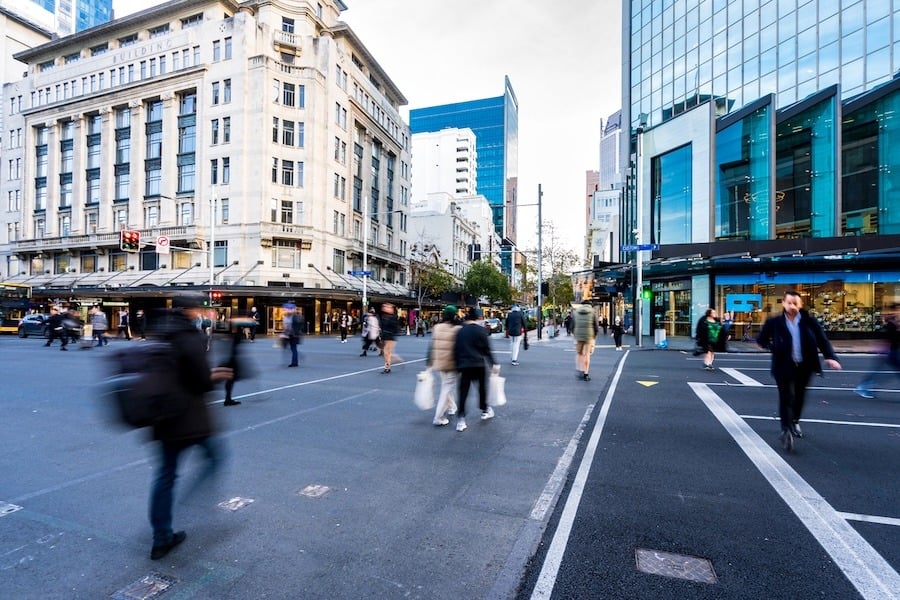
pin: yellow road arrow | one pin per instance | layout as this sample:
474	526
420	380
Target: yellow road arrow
647	383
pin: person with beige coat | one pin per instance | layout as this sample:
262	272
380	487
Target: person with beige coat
440	359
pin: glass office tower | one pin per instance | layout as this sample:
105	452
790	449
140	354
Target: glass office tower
495	122
77	15
765	129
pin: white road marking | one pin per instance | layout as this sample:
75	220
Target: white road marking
743	379
863	566
543	588
870	519
828	422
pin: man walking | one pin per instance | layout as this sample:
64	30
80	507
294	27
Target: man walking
56	329
586	329
471	352
515	326
123	325
99	325
794	338
371	331
344	325
193	427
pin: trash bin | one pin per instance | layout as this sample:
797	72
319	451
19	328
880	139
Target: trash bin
659	337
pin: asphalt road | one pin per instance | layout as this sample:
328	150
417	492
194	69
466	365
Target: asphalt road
343	489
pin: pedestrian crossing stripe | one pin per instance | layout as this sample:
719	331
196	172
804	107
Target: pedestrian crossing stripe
647	383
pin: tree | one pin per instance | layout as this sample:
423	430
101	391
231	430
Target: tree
427	274
484	279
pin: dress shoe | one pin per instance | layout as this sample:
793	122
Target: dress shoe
157	552
231	402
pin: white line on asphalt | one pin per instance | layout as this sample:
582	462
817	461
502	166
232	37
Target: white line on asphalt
744	379
543	588
558	477
870	519
866	569
828	422
814	387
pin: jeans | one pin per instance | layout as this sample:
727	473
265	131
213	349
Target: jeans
466	376
515	341
292	342
100	336
162	493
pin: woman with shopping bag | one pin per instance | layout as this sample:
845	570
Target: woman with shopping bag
440	360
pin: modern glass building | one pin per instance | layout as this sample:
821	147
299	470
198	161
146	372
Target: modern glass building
495	122
77	15
759	143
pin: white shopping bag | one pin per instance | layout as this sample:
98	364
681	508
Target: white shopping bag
496	390
424	396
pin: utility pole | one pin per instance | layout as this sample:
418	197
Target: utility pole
540	260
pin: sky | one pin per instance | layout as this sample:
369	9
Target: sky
563	59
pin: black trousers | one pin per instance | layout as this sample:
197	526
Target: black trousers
466	376
792	394
60	334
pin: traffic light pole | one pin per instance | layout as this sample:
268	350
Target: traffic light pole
540	272
637	292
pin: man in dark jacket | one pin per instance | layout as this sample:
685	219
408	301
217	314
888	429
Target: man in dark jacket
192	427
515	328
390	329
794	338
471	352
56	329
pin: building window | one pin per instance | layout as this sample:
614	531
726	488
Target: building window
220	253
88	263
275	122
226	170
214	171
65	190
192	21
128	40
120	217
287	25
72	58
151	215
670	188
215	92
226	91
228	48
187	139
100	49
186	214
224	210
159	30
287	172
301	134
287	211
288	97
287	133
214	138
226	130
217	50
118	261
274	170
301	96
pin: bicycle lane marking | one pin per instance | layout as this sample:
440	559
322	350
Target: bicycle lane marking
863	566
543	587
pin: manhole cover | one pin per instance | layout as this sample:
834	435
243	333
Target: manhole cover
314	491
681	566
235	503
6	508
148	586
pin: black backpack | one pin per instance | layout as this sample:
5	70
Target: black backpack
143	387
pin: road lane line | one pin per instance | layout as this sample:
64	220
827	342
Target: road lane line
743	379
543	588
827	421
863	566
870	519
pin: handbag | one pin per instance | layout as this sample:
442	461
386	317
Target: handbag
496	390
525	342
424	394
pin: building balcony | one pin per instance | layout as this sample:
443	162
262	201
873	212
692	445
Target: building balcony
285	40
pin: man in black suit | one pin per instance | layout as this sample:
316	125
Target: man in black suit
795	338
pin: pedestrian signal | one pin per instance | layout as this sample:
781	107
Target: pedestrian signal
130	241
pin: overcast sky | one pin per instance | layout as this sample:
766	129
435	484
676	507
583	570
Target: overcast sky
562	57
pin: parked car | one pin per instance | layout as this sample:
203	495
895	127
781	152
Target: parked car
494	325
33	324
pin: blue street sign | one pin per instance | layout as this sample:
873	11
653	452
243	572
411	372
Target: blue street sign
639	247
360	273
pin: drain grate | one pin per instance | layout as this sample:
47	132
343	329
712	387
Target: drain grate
236	503
6	508
314	491
680	566
145	588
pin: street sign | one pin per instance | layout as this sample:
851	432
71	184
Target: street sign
639	247
360	273
162	244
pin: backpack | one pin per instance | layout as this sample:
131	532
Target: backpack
143	386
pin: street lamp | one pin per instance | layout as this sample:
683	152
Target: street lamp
637	292
212	234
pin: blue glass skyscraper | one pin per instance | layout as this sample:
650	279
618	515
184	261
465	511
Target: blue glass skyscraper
77	15
495	122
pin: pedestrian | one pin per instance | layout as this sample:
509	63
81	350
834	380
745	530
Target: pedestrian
294	325
371	331
390	329
891	357
234	361
254	326
471	352
710	336
344	325
420	326
73	324
567	322
123	325
440	359
604	323
515	327
99	324
794	338
193	427
617	331
586	330
140	319
56	329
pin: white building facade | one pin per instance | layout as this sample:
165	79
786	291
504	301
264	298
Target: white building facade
246	134
444	161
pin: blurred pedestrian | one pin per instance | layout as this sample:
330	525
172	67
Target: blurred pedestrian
235	361
193	427
794	338
515	328
56	329
710	337
344	325
254	326
586	330
123	325
73	324
390	329
472	353
889	360
371	332
140	319
440	359
294	326
99	324
617	331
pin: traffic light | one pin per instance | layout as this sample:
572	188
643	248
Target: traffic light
647	294
215	297
130	241
545	288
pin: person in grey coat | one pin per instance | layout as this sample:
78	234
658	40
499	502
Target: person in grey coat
99	325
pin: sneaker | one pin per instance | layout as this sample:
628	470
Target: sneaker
461	424
787	440
796	431
451	412
587	377
487	414
863	392
440	422
157	552
231	403
515	363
